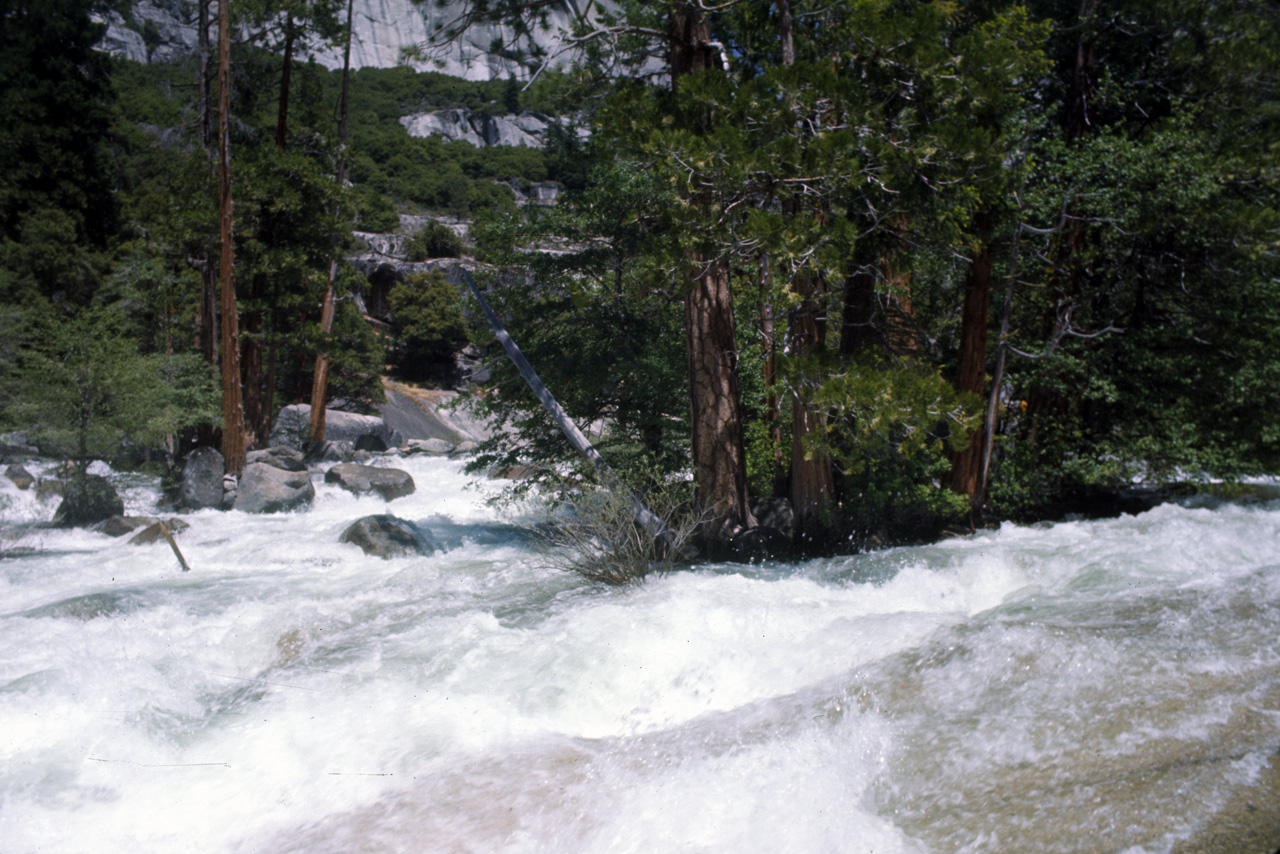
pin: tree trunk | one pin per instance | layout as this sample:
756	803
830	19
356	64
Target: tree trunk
812	475
286	74
646	519
966	464
251	363
719	456
858	313
320	379
233	438
207	336
786	32
719	453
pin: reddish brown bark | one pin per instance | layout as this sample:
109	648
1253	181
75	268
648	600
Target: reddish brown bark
812	475
719	453
966	464
320	376
233	438
719	457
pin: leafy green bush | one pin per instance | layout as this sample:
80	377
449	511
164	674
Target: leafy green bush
436	240
427	326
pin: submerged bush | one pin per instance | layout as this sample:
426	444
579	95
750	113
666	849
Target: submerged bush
595	535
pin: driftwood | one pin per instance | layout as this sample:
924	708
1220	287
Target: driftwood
643	516
164	529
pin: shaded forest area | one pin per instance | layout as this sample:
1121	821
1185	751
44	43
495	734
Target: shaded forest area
905	265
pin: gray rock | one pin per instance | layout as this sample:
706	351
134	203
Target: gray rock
282	457
430	447
480	129
372	443
775	513
118	526
387	536
330	452
202	479
20	476
759	544
383	30
291	427
87	501
267	489
388	482
17	445
431	415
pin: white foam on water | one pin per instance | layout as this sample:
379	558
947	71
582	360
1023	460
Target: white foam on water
1008	689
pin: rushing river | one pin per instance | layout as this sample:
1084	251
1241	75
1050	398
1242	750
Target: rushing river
1085	686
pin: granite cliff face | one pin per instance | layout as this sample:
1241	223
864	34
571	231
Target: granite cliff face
386	31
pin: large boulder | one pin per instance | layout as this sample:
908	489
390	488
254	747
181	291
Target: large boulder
293	423
387	536
202	479
414	413
267	489
388	482
87	500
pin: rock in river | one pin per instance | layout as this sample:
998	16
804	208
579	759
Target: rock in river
202	479
84	502
267	489
388	536
388	482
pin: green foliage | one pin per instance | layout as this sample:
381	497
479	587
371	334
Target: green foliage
427	326
374	211
626	389
434	240
357	358
56	99
80	386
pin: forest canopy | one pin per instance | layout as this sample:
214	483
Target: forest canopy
905	265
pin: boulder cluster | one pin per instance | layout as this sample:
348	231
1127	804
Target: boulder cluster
278	479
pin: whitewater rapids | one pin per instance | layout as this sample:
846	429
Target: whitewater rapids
1076	687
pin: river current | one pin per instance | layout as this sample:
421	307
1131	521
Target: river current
1081	686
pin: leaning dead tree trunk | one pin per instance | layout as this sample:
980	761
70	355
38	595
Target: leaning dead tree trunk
320	378
646	519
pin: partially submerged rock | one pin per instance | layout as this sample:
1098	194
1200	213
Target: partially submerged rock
388	536
430	447
20	476
267	489
118	526
153	534
88	500
388	482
